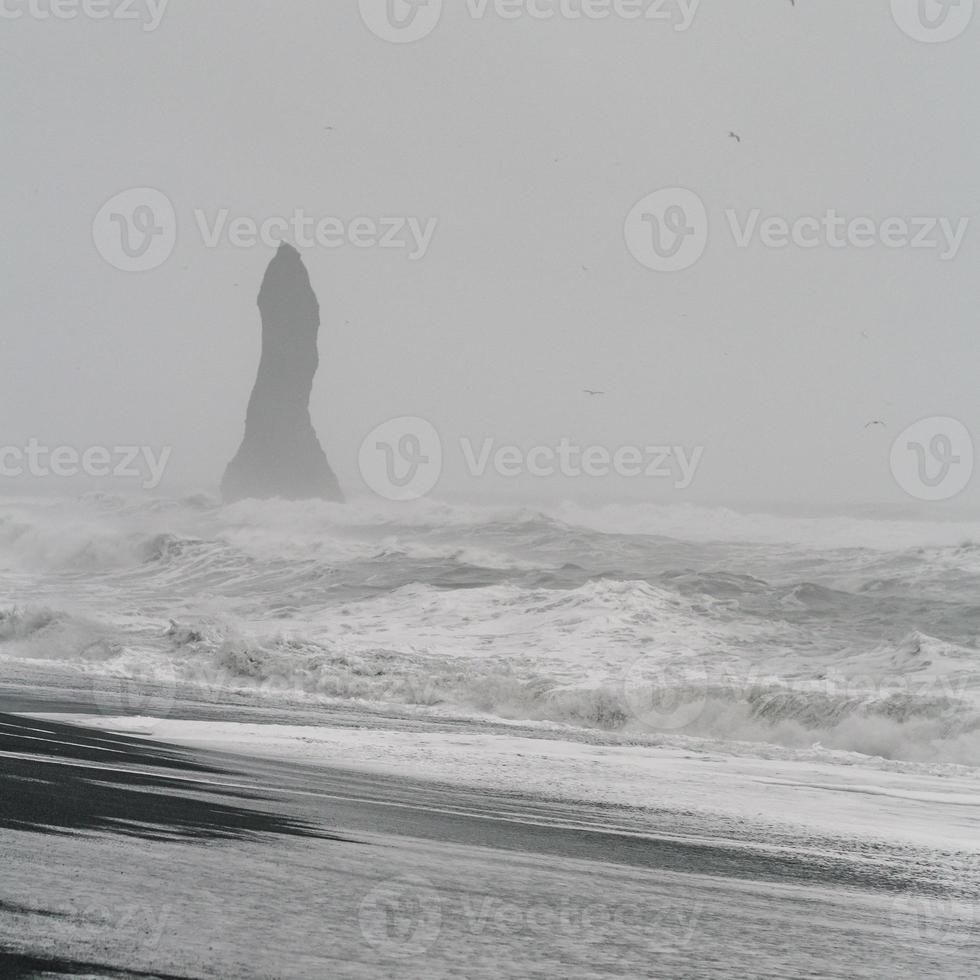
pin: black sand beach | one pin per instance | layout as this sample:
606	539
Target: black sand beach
128	858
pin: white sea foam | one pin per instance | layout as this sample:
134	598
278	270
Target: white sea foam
639	620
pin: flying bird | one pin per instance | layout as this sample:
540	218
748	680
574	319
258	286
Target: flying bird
876	422
734	136
593	394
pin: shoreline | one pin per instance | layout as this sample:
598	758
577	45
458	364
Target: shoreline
39	686
829	803
724	785
123	817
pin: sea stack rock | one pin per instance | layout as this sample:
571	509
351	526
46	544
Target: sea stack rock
280	455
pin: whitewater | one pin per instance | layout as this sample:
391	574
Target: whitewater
832	639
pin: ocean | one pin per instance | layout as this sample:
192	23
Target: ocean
831	638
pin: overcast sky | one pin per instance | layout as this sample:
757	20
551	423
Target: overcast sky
529	142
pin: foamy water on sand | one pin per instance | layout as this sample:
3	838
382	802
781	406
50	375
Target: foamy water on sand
832	635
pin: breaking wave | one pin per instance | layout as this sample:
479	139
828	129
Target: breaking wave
647	623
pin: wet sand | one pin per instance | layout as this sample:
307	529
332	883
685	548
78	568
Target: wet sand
127	857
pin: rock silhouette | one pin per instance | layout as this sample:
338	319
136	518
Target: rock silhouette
280	455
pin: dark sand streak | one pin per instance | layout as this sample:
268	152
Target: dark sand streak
205	843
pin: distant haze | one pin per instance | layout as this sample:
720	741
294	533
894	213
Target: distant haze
528	142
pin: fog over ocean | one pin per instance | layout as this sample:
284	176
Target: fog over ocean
488	490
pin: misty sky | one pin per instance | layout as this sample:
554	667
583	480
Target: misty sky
529	141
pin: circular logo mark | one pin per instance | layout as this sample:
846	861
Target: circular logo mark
664	698
137	230
667	231
401	21
933	21
401	918
402	459
128	697
920	919
933	459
